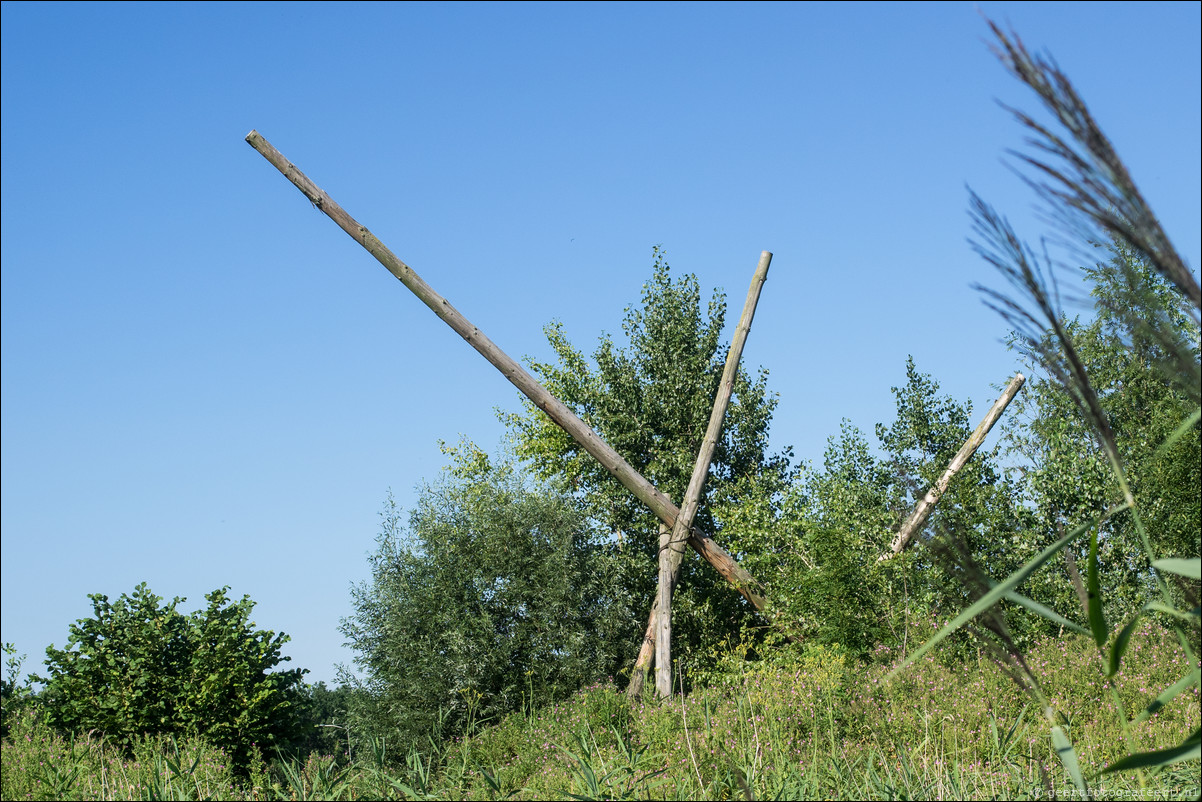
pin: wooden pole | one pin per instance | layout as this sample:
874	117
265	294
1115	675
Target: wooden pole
923	510
672	547
661	613
631	479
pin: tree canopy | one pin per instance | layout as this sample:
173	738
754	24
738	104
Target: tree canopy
1140	349
490	597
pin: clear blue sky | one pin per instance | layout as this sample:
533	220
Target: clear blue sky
206	383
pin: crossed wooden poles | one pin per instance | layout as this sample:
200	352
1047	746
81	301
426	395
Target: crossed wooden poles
676	527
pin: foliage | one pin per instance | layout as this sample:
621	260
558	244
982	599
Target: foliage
817	541
1069	472
651	401
14	695
136	669
492	598
326	716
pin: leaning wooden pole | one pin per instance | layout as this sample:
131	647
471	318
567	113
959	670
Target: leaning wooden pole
631	479
923	510
672	546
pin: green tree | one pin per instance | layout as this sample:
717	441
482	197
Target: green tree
490	599
326	714
136	668
651	401
981	507
1140	350
818	541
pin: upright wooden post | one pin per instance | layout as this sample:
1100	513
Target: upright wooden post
631	479
672	547
924	507
662	615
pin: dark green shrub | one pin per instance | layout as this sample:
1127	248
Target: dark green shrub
136	668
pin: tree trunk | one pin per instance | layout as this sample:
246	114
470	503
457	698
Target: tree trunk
638	678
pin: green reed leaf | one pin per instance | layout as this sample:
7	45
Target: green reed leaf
1068	756
1046	612
1097	620
1119	647
1184	615
999	591
1190	749
1178	433
1168	694
1190	569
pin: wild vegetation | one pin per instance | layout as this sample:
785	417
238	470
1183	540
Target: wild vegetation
1040	638
806	723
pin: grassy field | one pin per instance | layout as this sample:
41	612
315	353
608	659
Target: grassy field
820	728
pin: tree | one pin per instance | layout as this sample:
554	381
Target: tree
818	539
491	598
651	401
14	695
327	720
1140	350
136	668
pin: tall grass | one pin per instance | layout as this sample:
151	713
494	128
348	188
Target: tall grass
816	725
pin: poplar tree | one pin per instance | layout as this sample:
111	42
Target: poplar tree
650	398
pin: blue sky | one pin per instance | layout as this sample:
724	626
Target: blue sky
206	383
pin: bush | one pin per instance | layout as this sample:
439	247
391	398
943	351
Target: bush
136	668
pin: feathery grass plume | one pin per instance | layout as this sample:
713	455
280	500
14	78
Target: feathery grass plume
1091	190
1091	196
1042	331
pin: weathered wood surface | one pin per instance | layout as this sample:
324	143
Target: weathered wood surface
661	612
630	478
923	509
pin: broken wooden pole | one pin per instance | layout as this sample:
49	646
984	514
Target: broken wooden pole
672	547
924	507
631	479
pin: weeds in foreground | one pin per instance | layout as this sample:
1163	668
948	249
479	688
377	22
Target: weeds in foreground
820	729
